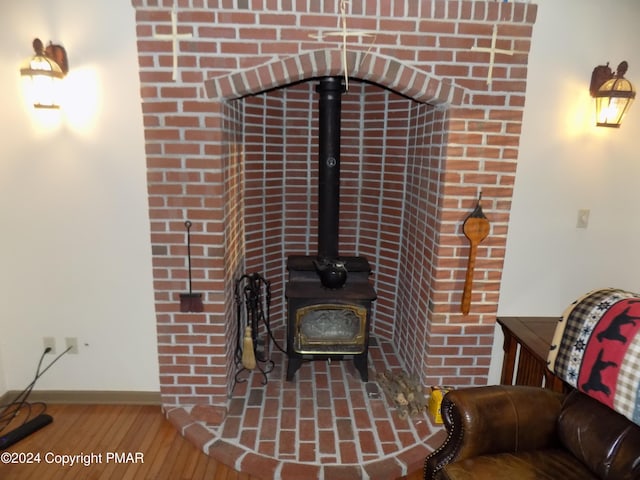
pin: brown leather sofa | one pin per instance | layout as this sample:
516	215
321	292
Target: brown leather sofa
527	433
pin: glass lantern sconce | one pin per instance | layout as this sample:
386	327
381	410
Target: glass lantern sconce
614	94
43	73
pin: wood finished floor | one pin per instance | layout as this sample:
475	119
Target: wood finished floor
99	429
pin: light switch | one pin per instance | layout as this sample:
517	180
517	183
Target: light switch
583	218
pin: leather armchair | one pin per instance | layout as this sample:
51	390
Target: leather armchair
527	433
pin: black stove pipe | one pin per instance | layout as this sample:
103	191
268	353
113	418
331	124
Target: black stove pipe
330	90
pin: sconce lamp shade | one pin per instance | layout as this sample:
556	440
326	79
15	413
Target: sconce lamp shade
43	73
614	95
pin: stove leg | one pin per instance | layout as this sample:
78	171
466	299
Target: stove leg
360	362
294	363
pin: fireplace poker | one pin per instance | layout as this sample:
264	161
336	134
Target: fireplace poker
190	302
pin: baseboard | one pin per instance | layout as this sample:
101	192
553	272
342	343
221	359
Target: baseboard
88	397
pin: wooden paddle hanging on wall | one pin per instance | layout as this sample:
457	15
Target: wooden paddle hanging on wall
475	228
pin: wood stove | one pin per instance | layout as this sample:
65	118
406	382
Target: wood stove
324	322
328	297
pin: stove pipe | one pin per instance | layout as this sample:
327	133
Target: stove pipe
330	90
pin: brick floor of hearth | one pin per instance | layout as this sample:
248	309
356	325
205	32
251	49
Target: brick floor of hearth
324	425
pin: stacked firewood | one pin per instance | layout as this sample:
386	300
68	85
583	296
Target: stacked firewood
404	392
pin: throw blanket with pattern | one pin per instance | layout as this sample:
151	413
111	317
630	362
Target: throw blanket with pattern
596	349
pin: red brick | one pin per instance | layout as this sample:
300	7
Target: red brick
259	465
288	442
296	471
339	472
383	469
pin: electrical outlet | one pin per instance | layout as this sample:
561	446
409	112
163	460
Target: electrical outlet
72	344
50	343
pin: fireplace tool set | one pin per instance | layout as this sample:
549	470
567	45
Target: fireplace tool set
253	301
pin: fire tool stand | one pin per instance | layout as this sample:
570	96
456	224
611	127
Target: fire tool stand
253	301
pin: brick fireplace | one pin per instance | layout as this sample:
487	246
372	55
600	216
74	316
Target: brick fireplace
430	119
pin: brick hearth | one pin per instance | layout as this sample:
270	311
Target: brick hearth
323	426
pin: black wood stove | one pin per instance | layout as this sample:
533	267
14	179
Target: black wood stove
328	297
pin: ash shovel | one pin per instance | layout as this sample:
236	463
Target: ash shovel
190	302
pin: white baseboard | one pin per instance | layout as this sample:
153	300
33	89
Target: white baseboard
90	397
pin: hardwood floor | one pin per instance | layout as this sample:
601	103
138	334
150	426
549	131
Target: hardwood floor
93	434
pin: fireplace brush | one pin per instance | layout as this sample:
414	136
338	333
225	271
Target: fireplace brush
248	350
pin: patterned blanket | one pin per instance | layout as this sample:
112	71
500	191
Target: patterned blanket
596	349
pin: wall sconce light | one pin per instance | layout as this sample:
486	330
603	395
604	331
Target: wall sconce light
614	94
43	73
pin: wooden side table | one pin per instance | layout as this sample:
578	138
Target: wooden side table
527	341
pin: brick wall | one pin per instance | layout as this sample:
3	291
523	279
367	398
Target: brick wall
231	145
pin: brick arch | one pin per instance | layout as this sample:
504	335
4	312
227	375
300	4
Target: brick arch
386	71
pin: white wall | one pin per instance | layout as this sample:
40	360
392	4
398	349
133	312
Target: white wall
75	250
75	256
566	164
3	384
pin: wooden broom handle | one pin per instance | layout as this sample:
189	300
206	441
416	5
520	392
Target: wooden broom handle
468	282
476	229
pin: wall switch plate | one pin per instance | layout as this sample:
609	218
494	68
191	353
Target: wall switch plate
72	344
583	218
49	342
